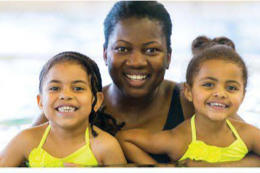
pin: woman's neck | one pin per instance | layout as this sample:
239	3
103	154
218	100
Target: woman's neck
127	104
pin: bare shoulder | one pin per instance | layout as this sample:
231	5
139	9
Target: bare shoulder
103	145
183	137
168	85
246	131
102	142
25	141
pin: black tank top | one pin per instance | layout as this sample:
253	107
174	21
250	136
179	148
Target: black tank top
175	117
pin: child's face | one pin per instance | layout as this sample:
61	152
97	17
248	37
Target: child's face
66	97
218	89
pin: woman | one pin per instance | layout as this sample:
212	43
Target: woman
137	51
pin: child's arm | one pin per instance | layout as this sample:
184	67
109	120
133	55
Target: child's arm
14	153
164	142
136	154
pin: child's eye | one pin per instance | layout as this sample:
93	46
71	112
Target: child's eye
78	88
54	88
122	49
208	85
231	88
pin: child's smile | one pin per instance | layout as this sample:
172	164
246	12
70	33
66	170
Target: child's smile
67	98
218	89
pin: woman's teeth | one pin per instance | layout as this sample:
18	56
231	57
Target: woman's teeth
66	109
136	77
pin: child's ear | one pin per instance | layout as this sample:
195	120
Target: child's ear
187	92
100	99
39	101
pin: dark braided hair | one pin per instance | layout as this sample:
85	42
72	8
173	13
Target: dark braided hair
222	48
140	9
104	121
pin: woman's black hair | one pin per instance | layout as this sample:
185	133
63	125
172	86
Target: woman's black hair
204	48
140	9
100	119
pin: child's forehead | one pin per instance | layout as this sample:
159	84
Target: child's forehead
220	68
68	70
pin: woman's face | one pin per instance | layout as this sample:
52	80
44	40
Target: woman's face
137	56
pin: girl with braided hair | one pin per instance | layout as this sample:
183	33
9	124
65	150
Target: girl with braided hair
216	81
70	95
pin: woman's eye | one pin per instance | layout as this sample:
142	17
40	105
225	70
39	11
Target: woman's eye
152	50
54	88
232	88
121	49
208	85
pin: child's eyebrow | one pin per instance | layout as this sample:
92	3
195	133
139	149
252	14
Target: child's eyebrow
210	78
74	82
80	81
54	81
233	81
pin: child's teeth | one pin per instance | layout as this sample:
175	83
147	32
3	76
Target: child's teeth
217	104
66	109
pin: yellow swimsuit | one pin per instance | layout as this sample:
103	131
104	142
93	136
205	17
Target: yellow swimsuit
198	150
41	158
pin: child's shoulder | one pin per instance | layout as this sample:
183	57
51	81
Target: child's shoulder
182	138
246	131
103	144
103	140
29	138
242	126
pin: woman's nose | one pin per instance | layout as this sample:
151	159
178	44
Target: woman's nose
136	59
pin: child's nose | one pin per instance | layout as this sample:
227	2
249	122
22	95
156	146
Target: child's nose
220	93
65	95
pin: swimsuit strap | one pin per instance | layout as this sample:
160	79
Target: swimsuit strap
87	136
233	130
193	128
44	136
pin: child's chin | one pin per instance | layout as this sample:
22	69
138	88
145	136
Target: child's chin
218	117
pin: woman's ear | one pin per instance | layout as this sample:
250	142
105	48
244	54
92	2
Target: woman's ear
168	62
187	92
39	101
105	55
100	99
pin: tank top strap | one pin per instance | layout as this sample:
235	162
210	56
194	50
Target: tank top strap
193	128
233	130
87	136
44	136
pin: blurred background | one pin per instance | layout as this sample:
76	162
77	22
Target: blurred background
34	31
